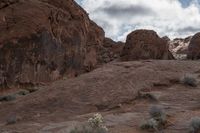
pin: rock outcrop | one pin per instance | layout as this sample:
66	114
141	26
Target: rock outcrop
166	38
110	50
194	47
145	44
179	47
42	40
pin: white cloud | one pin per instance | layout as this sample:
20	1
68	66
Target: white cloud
166	17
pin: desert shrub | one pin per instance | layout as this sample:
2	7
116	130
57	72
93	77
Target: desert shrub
96	121
33	89
147	95
11	120
195	125
8	98
94	125
149	124
157	120
23	92
158	114
190	80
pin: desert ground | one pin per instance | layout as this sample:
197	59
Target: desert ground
112	90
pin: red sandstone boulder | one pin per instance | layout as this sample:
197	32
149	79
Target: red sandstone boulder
42	40
145	44
194	47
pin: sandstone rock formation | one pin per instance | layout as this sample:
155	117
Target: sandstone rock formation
110	50
194	47
41	40
145	44
179	47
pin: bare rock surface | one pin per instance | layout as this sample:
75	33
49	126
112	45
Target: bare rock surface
110	50
111	90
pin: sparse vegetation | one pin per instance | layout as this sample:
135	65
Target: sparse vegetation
158	114
94	125
190	80
195	125
23	92
149	124
32	89
147	95
11	120
157	120
7	98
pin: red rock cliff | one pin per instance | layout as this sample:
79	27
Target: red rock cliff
42	40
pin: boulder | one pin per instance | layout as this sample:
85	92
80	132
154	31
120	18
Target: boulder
145	44
43	40
194	47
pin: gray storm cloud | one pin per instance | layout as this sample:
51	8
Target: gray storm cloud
126	11
167	17
189	29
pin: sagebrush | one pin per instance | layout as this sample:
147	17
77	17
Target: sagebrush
190	80
195	125
94	125
157	120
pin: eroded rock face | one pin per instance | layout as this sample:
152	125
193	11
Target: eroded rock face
179	47
145	44
42	40
166	38
110	50
194	47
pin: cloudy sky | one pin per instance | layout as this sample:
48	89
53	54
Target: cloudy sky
174	18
